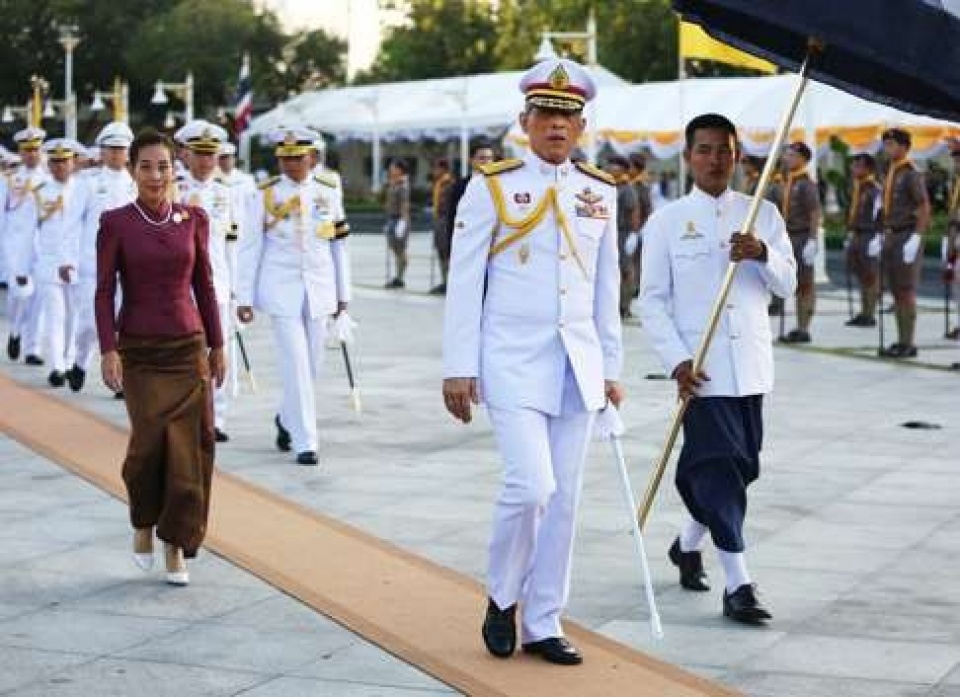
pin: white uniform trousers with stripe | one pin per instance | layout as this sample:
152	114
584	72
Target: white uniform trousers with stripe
534	519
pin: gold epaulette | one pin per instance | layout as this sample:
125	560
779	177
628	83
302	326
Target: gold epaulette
596	173
325	179
500	167
268	183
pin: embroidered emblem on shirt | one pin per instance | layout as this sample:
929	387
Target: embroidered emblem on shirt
522	198
591	205
524	253
691	233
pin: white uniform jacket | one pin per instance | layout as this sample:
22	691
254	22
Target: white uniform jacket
296	251
514	318
44	226
106	189
686	250
216	199
17	238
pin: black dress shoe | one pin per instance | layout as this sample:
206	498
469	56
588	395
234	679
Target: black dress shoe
13	347
283	435
692	575
395	284
76	376
220	436
900	351
57	379
797	336
743	605
118	395
307	457
439	290
555	650
33	359
500	630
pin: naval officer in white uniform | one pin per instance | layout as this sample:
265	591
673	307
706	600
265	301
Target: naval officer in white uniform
294	266
109	186
202	186
532	329
687	246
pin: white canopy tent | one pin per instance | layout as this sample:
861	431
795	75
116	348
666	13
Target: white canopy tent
440	108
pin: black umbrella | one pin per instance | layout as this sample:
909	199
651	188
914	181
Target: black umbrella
905	53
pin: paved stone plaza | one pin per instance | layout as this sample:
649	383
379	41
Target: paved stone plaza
854	528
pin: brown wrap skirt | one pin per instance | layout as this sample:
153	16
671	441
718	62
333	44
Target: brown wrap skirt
169	462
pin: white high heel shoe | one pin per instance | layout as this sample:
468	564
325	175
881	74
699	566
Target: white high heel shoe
177	574
143	548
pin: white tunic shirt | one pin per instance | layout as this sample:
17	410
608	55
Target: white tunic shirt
295	251
106	189
216	199
686	251
516	318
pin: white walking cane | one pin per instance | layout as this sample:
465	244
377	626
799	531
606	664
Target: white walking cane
609	426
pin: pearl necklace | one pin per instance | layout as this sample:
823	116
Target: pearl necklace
158	223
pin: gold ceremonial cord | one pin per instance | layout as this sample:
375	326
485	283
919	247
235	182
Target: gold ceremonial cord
888	186
954	197
858	185
524	226
281	212
788	187
45	211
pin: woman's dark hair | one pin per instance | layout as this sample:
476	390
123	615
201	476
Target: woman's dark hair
709	122
145	139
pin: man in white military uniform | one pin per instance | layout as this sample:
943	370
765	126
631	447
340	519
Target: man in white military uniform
108	186
686	249
51	217
532	328
22	301
320	168
201	186
294	266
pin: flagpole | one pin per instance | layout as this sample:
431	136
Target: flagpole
713	322
681	79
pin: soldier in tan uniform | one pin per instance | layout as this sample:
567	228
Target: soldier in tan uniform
628	230
397	228
905	217
863	238
952	250
800	206
440	198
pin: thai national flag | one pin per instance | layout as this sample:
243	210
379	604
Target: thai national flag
244	110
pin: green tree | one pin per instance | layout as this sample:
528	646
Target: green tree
441	38
314	60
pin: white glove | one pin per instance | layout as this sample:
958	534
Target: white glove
341	328
608	424
847	241
631	243
874	246
400	231
910	249
809	252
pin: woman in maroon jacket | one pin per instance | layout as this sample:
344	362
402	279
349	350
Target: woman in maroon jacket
162	350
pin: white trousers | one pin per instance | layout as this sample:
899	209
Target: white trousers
25	314
221	395
58	324
299	342
534	520
85	341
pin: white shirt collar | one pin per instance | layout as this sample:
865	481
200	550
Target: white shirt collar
546	169
700	196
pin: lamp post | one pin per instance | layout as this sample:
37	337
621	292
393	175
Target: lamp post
69	40
547	51
119	98
184	88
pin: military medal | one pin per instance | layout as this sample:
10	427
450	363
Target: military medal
524	253
177	218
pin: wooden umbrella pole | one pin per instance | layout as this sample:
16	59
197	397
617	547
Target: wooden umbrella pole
783	131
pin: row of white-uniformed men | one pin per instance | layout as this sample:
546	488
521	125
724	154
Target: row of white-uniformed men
48	231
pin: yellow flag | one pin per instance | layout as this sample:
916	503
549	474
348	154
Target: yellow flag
696	43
